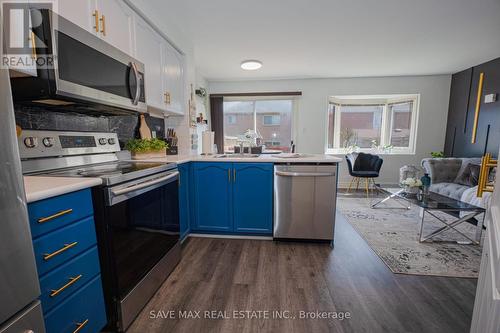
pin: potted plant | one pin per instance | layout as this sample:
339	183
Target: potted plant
437	154
146	148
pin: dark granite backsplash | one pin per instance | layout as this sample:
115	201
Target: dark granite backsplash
126	127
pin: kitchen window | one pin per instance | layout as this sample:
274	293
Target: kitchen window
271	118
379	124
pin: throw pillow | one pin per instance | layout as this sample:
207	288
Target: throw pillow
469	176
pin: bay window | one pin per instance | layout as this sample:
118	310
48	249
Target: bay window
380	124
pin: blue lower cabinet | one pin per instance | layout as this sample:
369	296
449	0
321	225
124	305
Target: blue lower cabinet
54	213
212	195
67	259
234	198
83	311
57	247
253	198
60	283
184	202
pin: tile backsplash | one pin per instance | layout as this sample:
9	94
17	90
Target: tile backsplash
126	127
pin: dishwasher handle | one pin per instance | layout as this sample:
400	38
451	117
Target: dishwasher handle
305	174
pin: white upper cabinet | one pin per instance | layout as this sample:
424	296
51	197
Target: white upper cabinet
148	50
164	69
173	78
116	24
80	12
111	20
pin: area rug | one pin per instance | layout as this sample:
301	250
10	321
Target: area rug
393	236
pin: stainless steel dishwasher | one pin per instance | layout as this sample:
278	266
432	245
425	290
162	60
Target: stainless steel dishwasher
305	198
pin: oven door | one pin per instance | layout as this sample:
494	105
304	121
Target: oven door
142	226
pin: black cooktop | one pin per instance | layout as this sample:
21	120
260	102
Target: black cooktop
115	172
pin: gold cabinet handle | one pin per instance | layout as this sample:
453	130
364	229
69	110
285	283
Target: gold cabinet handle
33	45
96	20
79	326
71	281
56	215
478	107
229	175
66	247
167	97
234	175
103	22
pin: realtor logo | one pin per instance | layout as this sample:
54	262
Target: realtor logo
23	47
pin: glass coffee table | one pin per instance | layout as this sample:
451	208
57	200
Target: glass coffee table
430	205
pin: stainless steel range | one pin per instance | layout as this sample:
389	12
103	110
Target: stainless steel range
136	212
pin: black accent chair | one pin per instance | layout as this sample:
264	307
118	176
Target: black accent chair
365	166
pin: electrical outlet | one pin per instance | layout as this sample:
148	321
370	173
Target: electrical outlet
491	98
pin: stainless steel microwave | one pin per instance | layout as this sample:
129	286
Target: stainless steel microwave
77	71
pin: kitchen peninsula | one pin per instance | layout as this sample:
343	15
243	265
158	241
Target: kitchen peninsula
234	195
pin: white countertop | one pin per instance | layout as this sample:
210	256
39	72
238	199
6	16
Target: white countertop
41	187
264	158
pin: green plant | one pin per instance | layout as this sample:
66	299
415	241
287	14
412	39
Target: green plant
437	154
145	145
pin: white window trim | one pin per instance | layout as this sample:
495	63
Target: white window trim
387	119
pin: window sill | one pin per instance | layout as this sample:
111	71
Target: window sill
368	151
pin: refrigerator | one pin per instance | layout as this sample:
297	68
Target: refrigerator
20	309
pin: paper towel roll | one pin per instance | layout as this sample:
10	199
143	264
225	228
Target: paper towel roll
207	143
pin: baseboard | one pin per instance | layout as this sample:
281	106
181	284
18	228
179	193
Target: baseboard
230	236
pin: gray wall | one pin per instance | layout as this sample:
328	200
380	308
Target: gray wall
311	125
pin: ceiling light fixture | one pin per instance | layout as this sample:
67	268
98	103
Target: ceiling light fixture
251	65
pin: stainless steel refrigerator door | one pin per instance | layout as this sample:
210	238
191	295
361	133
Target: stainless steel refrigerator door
18	276
29	320
305	201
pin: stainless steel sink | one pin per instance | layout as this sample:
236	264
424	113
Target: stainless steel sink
237	156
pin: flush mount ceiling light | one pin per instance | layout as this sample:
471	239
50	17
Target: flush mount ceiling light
251	65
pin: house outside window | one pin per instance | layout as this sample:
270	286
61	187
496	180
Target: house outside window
386	124
271	120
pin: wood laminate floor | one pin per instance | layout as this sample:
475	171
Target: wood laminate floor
230	275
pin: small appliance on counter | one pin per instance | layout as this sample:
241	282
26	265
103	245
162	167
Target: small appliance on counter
136	211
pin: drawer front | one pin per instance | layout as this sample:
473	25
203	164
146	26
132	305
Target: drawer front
85	309
61	245
54	213
63	281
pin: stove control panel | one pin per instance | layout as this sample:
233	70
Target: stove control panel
38	144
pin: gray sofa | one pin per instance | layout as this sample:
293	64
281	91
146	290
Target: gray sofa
444	171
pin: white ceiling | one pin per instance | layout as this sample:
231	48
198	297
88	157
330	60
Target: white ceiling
336	38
